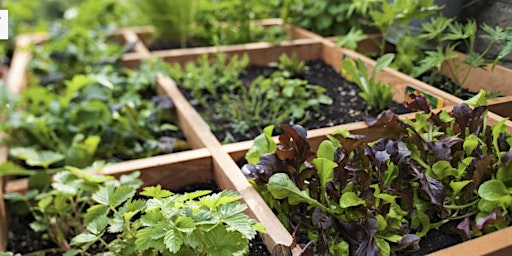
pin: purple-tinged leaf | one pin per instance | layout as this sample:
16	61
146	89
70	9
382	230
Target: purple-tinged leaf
411	241
360	237
162	102
385	119
482	167
507	157
433	187
417	102
464	227
488	220
281	250
166	144
463	114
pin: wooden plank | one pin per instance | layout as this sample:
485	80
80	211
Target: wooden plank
259	53
226	172
489	79
497	244
131	36
501	106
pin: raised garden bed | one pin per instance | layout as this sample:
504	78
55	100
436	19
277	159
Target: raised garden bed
495	243
328	59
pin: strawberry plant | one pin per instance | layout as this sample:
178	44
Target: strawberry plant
352	196
79	208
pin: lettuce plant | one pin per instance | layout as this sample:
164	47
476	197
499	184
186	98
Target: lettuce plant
360	197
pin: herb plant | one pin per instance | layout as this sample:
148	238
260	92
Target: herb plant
377	95
379	197
215	86
383	14
449	34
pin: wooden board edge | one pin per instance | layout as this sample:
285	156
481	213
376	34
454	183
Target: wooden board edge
495	243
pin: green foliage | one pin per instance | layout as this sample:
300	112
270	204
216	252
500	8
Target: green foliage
390	192
80	208
58	210
377	95
179	224
449	34
383	14
111	114
292	66
172	18
224	22
351	39
324	17
216	87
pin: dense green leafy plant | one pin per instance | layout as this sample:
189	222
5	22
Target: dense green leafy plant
229	22
80	208
244	107
449	34
173	224
106	115
172	19
72	52
290	64
383	14
325	17
58	210
377	95
359	197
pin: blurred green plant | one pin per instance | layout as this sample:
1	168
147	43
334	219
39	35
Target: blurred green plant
172	19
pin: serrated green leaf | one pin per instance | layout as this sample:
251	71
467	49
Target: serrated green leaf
156	192
120	195
83	239
98	225
242	224
94	212
219	241
173	240
102	196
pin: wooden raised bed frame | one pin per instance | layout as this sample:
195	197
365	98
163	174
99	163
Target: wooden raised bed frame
211	160
490	78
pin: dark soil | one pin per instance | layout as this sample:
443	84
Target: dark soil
446	84
347	106
22	239
436	239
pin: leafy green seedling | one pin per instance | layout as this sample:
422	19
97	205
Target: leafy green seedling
377	95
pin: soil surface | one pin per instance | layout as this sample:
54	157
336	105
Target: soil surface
347	106
22	239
